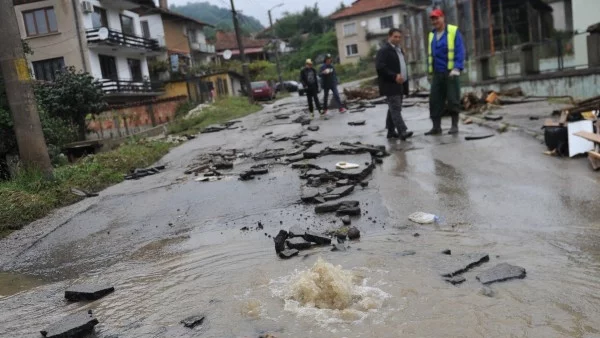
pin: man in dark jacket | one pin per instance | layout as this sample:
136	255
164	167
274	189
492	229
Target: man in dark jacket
392	74
309	79
330	82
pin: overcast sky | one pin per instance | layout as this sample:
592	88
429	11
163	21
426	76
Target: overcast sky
259	8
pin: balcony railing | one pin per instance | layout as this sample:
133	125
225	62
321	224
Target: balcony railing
203	47
131	87
113	37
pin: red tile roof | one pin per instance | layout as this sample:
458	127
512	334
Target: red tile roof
226	40
360	7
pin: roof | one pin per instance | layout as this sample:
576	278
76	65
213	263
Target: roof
227	40
360	7
252	50
170	14
229	72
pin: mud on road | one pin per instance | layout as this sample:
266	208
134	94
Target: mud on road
173	246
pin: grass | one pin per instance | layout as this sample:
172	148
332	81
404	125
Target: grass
221	111
30	196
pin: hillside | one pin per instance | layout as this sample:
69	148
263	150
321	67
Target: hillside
217	16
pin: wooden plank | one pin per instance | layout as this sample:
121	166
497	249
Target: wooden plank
563	117
594	158
588	136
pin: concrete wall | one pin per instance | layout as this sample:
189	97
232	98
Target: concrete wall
173	89
364	24
64	43
585	14
559	15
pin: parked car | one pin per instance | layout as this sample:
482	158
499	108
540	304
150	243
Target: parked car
261	90
289	86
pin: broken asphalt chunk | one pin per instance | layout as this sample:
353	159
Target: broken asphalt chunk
296	231
289	253
357	123
313	128
193	321
407	253
259	171
455	265
213	129
349	211
280	241
353	233
316	238
478	137
77	325
346	220
339	247
282	116
447	252
309	195
334	206
298	243
87	292
342	191
455	280
501	272
490	117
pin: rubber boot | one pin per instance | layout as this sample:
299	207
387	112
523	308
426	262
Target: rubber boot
454	129
437	127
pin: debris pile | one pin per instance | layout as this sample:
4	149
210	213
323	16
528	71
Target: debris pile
210	164
219	127
369	93
289	243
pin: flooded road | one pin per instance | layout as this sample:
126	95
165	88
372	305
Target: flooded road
173	247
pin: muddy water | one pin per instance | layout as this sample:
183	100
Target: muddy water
519	207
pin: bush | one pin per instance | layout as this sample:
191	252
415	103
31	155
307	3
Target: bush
184	108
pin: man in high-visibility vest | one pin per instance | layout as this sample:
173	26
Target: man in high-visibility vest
446	62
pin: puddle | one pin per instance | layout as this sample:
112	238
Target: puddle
13	283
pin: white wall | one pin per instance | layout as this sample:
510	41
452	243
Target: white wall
585	14
200	36
559	15
155	24
123	70
374	23
113	17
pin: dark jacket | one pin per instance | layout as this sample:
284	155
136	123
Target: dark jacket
388	66
330	80
304	75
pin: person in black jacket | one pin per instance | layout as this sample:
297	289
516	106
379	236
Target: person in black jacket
330	82
310	81
393	75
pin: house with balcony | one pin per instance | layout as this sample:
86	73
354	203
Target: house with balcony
364	25
101	37
183	38
254	49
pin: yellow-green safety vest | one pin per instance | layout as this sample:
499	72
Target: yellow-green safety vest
451	38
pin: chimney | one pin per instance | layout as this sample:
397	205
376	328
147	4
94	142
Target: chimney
164	4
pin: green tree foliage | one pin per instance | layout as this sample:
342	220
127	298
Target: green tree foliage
309	21
315	47
72	97
218	17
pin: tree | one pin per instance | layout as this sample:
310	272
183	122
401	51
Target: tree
72	96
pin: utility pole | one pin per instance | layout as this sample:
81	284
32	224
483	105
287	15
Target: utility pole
238	35
276	49
19	91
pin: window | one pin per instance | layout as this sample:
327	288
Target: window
46	69
350	29
108	65
351	50
127	26
387	22
192	36
145	29
135	67
99	18
40	21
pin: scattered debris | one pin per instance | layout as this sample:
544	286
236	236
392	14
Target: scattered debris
492	117
77	325
87	292
316	238
83	193
139	173
288	253
478	137
298	243
423	218
455	265
280	241
447	252
361	93
455	280
501	272
353	233
193	321
313	128
357	123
